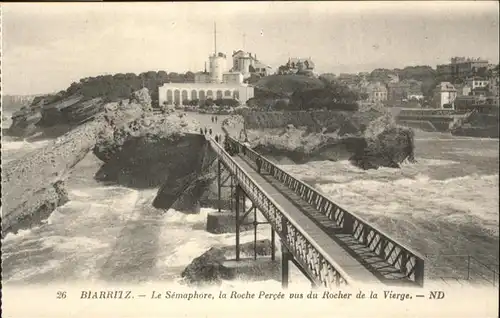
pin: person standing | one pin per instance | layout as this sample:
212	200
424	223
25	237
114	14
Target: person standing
246	144
258	162
216	139
201	131
210	131
205	130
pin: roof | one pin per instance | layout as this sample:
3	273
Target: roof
236	52
446	87
259	64
377	86
477	79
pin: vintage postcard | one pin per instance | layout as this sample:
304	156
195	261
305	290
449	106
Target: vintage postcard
250	159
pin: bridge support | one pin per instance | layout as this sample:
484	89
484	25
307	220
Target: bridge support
273	245
237	220
219	184
285	262
244	218
223	182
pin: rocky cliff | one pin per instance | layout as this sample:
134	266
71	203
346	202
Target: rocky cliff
48	117
475	124
369	138
32	187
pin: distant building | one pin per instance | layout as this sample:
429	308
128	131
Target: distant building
350	80
217	83
296	64
177	93
232	78
248	64
464	103
404	90
476	82
377	92
202	77
461	67
463	89
493	85
417	97
217	67
393	78
444	95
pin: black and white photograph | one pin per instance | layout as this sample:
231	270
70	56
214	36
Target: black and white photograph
273	156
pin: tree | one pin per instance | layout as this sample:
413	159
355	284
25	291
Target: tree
283	69
327	78
227	102
194	102
334	95
207	103
254	78
281	105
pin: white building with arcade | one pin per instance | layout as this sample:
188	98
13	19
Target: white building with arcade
217	83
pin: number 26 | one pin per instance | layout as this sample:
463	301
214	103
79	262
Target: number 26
61	295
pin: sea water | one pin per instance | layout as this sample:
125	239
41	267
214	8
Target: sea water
445	203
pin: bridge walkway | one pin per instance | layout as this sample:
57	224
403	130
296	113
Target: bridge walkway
347	262
354	258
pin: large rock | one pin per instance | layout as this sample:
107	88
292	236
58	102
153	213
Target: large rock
24	122
209	268
189	200
137	148
53	116
150	151
368	138
143	152
31	186
475	124
142	98
388	149
35	209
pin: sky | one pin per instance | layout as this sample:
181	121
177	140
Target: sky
47	46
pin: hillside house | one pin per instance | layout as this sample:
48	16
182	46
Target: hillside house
444	95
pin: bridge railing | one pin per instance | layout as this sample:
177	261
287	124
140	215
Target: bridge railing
308	253
466	267
408	262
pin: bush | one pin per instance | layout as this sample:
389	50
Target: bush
207	103
227	102
119	86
